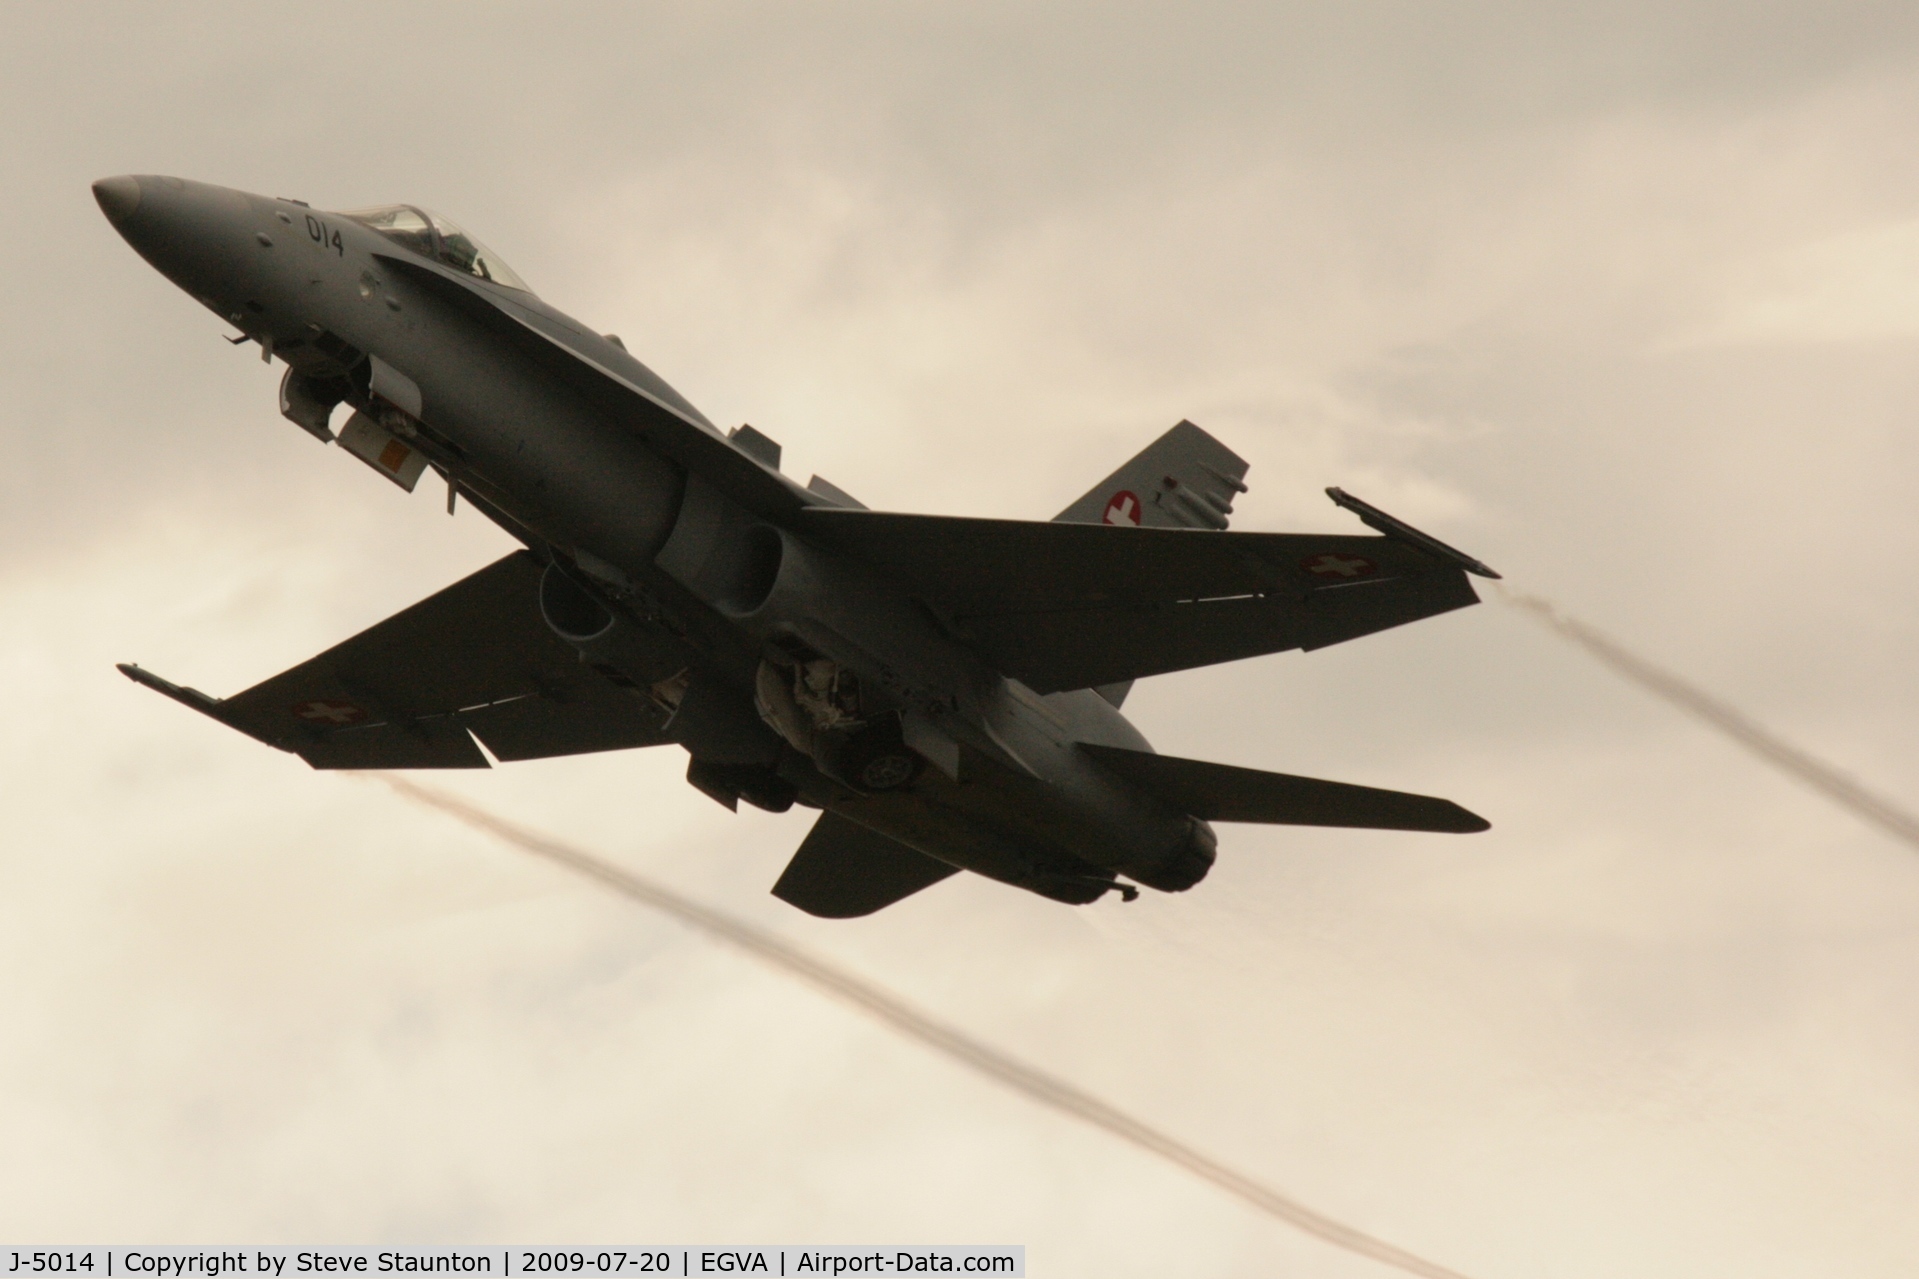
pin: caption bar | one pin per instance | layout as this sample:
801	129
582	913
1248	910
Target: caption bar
678	1260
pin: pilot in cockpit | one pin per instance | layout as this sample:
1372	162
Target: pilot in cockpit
433	236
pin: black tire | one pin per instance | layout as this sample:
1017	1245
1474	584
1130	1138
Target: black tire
877	758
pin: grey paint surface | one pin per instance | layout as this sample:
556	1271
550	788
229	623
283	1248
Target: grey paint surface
1618	300
800	652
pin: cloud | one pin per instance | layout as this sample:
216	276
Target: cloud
966	260
1862	286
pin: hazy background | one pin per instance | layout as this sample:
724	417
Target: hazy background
1623	299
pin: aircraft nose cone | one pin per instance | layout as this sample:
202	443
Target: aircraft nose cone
203	238
118	197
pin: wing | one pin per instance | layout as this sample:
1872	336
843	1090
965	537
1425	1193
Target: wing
1223	793
1061	606
476	659
844	870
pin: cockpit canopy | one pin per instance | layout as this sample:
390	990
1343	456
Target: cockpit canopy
433	236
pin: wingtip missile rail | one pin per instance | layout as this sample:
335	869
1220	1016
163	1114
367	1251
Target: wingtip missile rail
1399	530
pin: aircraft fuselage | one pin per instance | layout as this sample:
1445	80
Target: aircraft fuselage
790	672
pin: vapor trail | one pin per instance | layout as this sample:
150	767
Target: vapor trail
905	1019
1789	759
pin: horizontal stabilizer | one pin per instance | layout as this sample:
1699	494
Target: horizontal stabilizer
1223	793
844	870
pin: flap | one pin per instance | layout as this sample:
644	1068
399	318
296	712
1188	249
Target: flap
405	693
844	870
1061	606
1223	793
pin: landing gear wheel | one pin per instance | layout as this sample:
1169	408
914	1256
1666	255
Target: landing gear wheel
876	757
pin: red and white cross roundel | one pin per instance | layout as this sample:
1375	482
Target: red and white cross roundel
332	713
1122	508
1339	566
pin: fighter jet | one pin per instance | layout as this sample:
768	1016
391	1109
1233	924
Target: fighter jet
945	692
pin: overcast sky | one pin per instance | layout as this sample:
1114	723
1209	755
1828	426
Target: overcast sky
1623	299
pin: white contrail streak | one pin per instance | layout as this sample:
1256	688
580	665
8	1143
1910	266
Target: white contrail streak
905	1019
1789	759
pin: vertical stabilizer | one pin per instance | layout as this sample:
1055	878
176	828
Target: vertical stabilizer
1184	479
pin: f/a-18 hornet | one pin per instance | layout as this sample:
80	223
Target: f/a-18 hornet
946	692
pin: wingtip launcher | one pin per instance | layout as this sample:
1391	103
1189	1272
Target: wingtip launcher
185	696
213	708
1401	531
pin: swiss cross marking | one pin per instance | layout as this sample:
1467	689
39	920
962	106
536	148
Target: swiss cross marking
1122	508
1341	566
334	713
